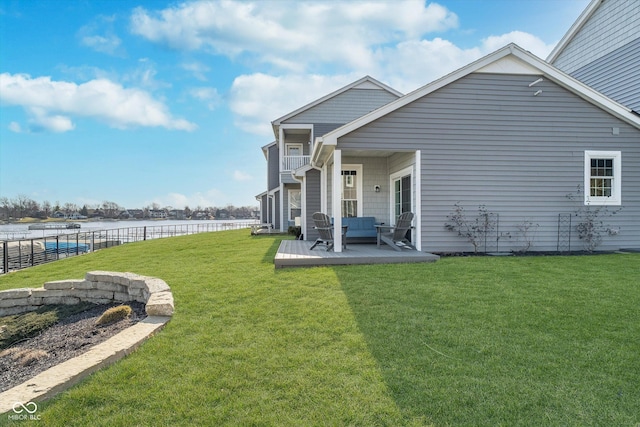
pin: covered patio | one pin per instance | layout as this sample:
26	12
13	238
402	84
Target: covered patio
297	253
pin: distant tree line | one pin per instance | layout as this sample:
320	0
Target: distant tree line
22	206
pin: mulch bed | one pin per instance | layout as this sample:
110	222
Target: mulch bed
66	339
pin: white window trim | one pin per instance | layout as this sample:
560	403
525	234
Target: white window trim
289	203
288	145
616	188
393	177
359	186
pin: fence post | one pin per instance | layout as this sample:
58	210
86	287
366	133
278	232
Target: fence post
5	257
57	247
144	233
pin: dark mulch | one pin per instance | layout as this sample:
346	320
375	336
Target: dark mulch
66	339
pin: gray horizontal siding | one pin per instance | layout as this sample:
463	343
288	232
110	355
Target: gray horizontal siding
617	74
344	107
486	139
613	25
273	167
320	129
312	193
264	209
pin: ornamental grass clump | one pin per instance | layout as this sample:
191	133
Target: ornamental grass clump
114	314
24	356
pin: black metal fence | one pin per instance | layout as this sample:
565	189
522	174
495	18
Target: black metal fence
23	253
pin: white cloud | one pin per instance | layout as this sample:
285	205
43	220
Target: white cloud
525	40
15	127
100	36
285	33
241	176
51	104
41	120
209	198
198	70
389	40
208	95
257	99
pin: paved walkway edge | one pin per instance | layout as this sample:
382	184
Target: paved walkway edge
61	377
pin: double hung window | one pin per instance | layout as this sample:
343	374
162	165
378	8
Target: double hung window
602	180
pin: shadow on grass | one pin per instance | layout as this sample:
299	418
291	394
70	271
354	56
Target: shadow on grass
270	254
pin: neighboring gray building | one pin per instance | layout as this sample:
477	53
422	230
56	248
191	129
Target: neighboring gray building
509	132
281	205
602	50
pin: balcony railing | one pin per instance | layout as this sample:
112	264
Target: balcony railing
290	163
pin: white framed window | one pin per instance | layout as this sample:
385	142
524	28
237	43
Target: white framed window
295	204
293	149
351	190
602	178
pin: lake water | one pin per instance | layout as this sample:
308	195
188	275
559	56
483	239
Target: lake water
21	231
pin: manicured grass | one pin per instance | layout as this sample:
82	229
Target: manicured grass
464	341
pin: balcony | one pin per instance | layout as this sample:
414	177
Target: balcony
290	163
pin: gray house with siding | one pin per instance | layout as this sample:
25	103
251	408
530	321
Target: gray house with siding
602	49
282	204
510	132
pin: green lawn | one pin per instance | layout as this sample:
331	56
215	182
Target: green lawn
464	341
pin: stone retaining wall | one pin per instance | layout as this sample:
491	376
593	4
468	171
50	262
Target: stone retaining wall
98	287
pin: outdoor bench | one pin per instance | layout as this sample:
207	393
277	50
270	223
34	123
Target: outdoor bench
360	228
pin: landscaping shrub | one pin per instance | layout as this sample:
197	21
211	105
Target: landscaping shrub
114	314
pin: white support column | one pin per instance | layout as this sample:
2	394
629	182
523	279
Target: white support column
323	188
418	201
282	209
303	210
337	200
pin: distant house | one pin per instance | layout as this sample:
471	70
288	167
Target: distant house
73	215
125	214
509	132
158	213
76	215
201	215
177	214
136	213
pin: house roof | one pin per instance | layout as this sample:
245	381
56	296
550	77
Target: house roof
365	82
574	30
511	59
265	149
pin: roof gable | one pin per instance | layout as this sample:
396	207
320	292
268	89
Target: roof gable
366	82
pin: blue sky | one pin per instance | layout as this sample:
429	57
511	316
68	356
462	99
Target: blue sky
141	102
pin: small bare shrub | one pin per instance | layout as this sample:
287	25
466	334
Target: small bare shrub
526	230
591	224
114	314
474	229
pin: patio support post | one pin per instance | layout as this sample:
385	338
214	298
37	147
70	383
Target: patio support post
418	201
337	200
